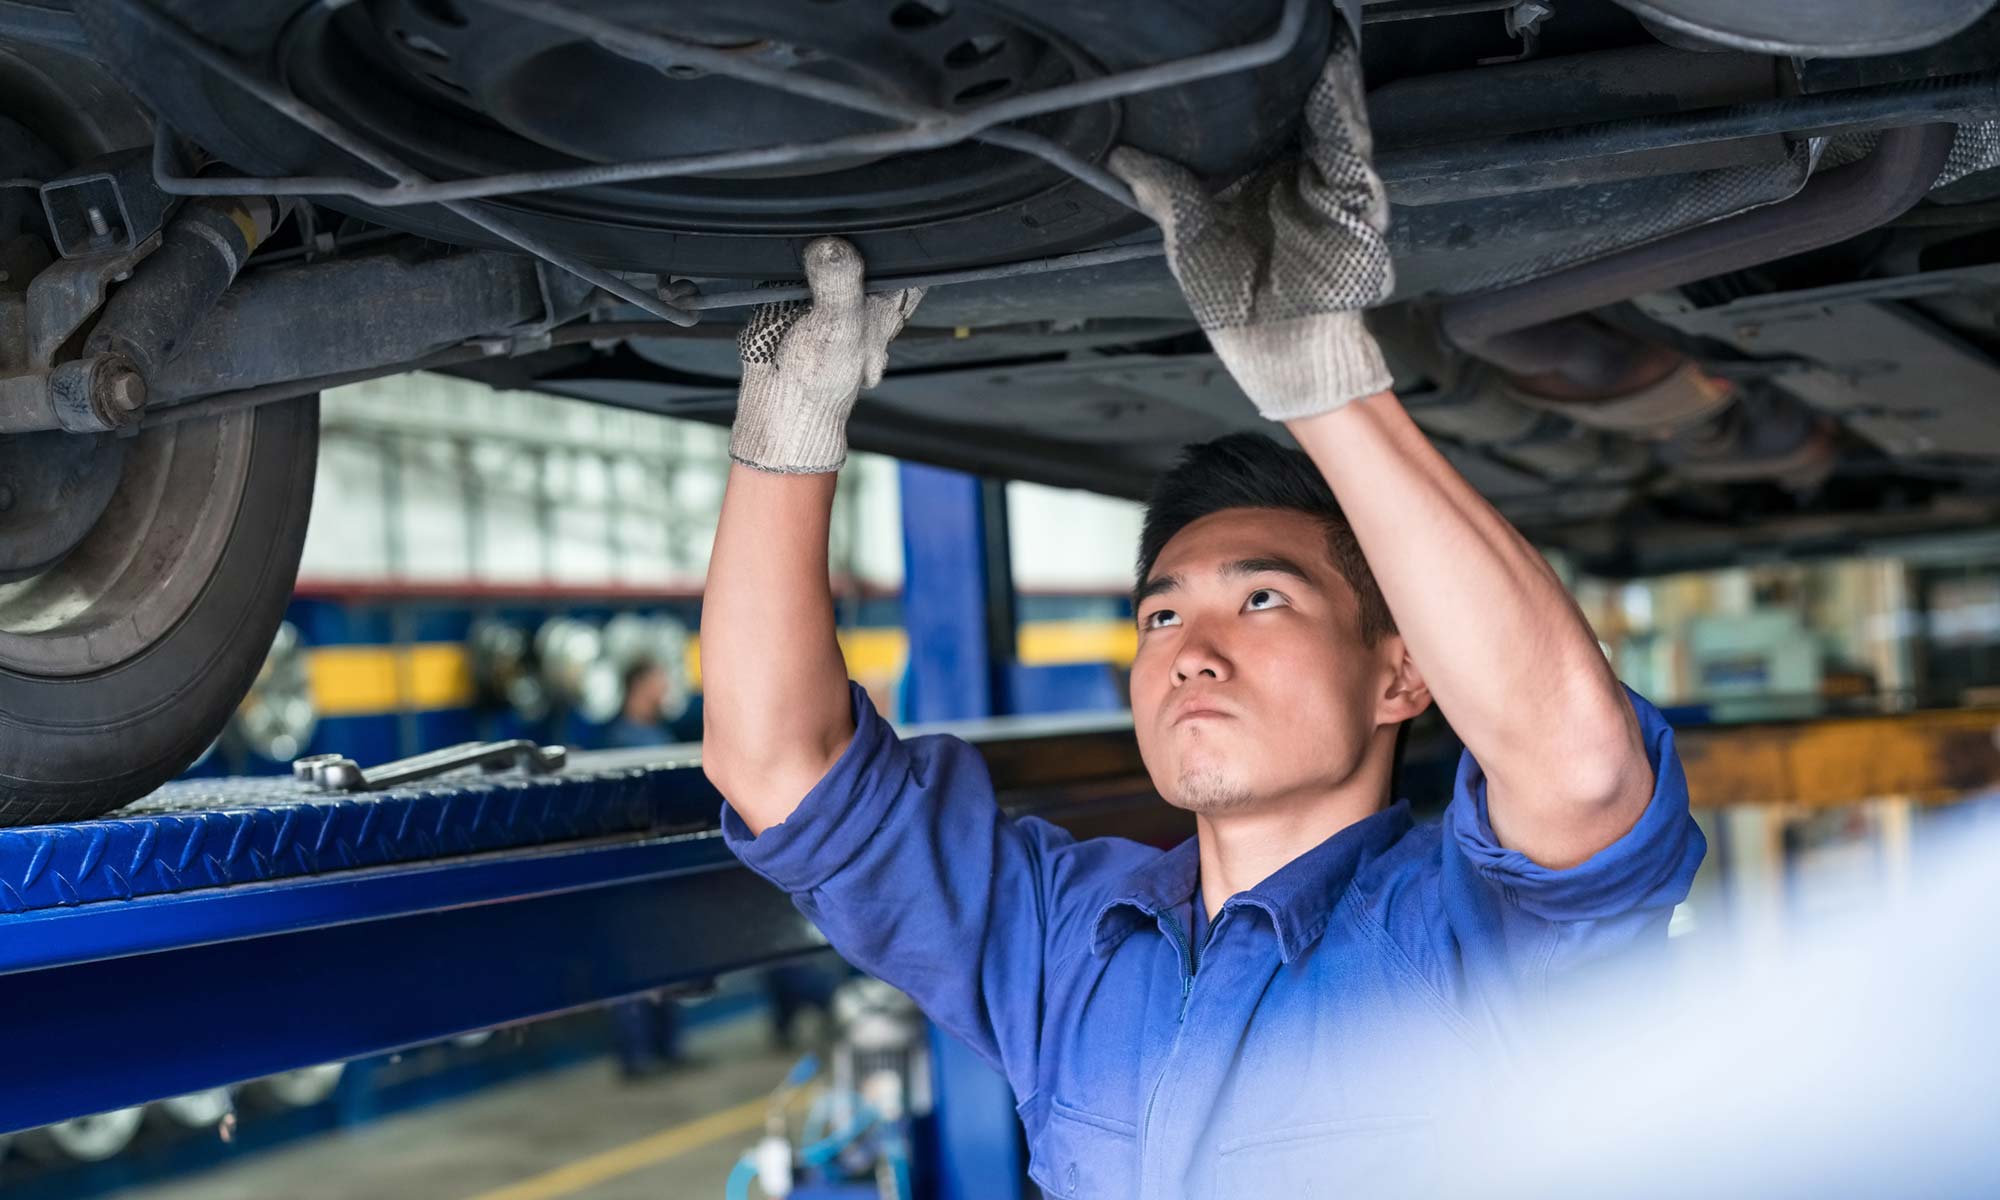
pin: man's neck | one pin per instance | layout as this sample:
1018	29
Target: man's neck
1240	850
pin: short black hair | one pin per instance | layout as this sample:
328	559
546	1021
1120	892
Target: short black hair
1249	470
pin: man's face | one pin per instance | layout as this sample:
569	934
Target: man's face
1252	684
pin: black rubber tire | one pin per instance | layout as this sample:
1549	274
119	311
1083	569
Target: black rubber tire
72	748
1221	127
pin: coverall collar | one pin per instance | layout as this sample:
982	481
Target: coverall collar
1298	897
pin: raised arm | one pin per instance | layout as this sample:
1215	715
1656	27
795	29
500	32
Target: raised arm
775	707
1278	274
1503	648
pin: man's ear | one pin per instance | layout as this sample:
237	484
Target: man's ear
1405	695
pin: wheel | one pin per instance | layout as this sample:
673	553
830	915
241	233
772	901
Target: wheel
196	1110
300	1088
458	89
83	1139
123	652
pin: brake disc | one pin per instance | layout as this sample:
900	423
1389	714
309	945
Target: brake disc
53	489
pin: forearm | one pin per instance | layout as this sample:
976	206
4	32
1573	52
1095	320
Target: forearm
774	686
1506	653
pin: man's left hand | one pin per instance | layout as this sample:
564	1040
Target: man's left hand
1278	268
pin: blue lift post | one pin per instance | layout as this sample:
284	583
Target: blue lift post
958	611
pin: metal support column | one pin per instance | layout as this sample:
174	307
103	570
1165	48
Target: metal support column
958	595
958	610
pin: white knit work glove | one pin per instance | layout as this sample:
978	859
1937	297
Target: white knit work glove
1278	267
804	362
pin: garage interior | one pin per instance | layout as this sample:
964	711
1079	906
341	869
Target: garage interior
443	909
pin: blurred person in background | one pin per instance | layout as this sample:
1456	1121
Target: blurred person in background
647	1028
641	722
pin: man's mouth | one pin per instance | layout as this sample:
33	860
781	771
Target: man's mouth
1197	712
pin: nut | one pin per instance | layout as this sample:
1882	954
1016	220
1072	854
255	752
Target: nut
124	389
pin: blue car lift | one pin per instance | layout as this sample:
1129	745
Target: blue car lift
221	931
224	930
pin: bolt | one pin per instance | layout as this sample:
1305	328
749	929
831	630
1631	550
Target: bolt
124	388
99	227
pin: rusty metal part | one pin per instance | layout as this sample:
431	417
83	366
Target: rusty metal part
1767	435
95	394
1685	397
63	297
1610	380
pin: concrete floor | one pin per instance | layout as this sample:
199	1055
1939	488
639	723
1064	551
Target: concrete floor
575	1134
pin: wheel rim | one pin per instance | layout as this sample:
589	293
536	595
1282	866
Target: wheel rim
98	1136
142	565
305	1085
198	1110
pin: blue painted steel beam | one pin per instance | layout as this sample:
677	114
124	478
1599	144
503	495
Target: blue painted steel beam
225	929
119	1002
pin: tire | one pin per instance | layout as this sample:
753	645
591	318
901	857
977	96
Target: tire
302	1087
204	1109
83	1139
84	731
1221	127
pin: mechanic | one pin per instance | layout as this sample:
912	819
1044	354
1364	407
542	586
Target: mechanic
1294	1001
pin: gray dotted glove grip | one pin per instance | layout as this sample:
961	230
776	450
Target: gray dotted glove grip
1278	268
805	362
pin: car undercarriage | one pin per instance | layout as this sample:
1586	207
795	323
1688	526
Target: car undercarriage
1678	282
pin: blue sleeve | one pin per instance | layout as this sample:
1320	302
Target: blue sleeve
903	859
1523	925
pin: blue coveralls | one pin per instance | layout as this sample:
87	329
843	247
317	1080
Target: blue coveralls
1307	1047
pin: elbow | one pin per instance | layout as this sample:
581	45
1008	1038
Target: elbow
717	764
1608	766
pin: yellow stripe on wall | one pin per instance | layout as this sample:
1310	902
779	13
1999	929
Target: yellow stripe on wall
882	653
873	653
1043	643
352	681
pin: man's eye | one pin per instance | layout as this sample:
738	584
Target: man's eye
1160	618
1265	598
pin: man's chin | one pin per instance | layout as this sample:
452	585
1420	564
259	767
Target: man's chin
1206	791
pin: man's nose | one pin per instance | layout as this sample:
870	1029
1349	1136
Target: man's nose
1200	658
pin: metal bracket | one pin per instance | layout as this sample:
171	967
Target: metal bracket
62	297
334	773
925	128
109	204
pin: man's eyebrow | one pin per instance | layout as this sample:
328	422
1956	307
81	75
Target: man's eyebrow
1266	565
1158	585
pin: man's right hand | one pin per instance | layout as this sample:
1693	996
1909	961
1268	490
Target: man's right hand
804	362
775	707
